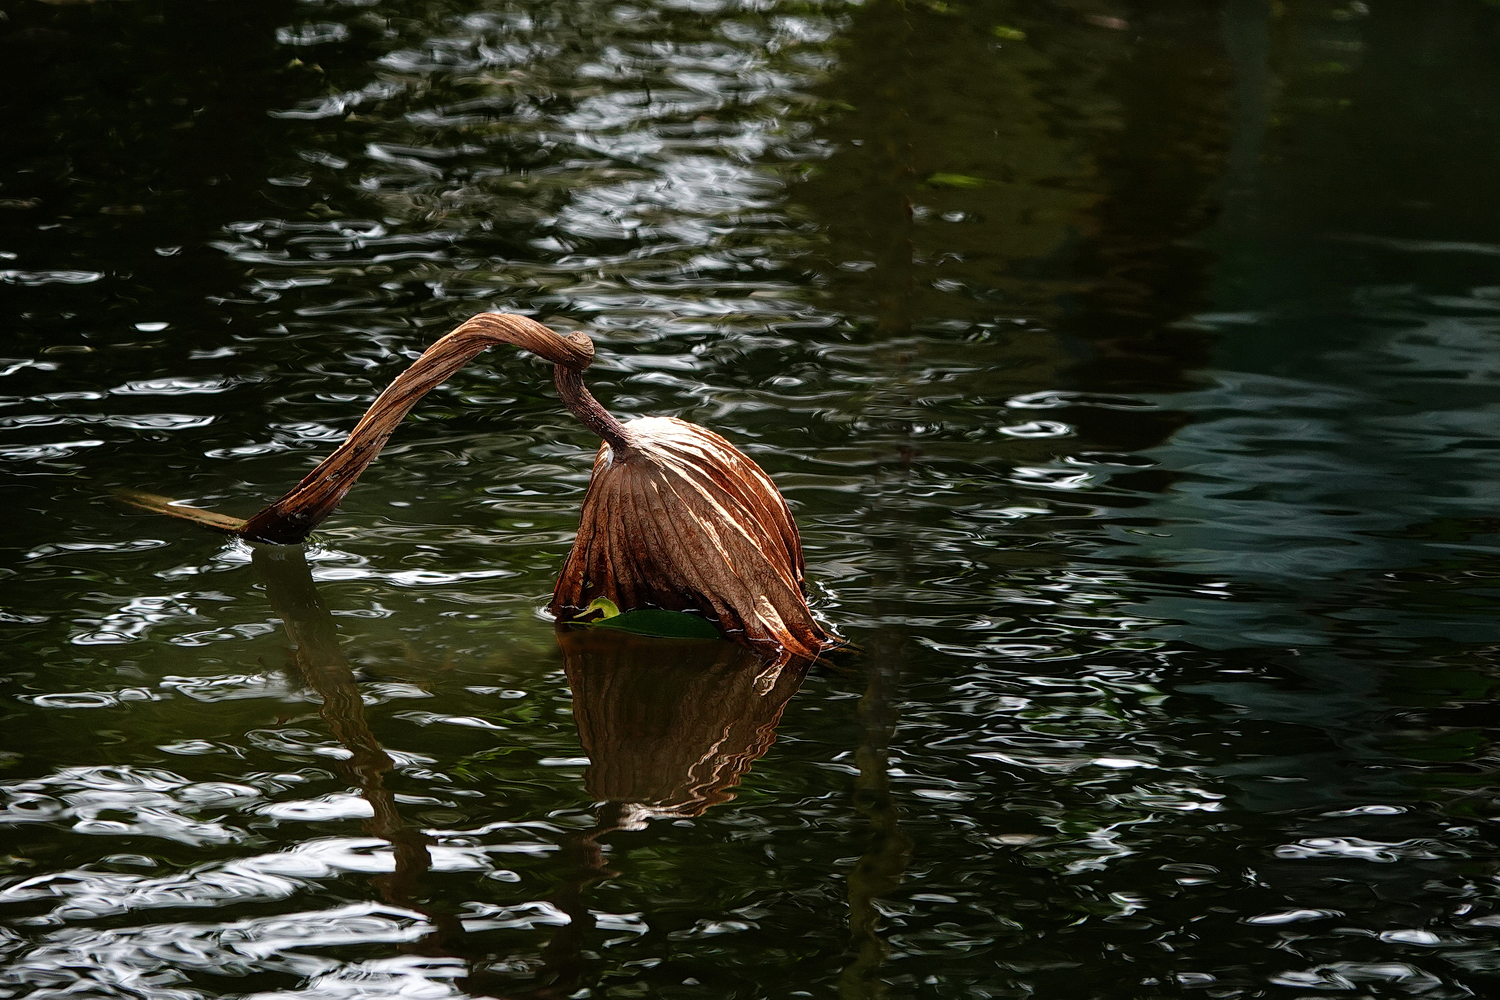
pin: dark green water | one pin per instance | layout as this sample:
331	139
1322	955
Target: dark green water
1132	369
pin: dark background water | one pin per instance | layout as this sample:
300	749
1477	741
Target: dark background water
1131	367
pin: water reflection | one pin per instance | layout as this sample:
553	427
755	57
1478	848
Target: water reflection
879	870
669	728
320	664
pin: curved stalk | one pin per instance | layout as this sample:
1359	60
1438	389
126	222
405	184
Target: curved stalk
293	517
582	404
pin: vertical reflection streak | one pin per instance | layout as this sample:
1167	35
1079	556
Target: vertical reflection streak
881	866
321	665
1247	40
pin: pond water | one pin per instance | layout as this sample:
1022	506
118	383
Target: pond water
1130	367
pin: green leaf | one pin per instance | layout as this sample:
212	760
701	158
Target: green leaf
602	604
955	181
1008	33
667	624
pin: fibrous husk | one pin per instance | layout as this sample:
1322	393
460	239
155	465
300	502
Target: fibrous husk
675	516
683	520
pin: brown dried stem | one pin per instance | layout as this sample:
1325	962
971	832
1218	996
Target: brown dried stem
293	517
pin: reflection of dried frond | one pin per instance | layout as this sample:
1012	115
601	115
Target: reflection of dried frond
670	725
320	664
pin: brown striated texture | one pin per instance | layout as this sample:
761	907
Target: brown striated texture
683	521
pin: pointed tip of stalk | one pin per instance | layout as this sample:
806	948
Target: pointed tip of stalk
157	504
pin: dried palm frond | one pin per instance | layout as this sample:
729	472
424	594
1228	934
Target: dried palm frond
675	517
682	520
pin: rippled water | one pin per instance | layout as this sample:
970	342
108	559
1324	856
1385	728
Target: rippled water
1131	368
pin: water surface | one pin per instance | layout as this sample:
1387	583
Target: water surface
1131	370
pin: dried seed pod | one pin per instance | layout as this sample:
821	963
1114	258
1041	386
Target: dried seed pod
676	517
